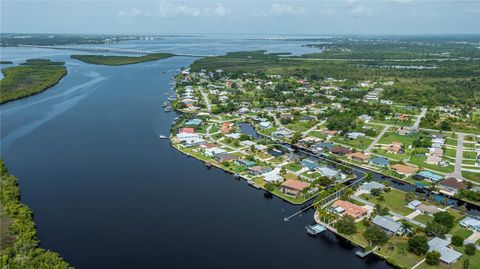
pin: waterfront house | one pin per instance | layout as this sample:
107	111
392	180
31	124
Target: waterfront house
447	255
346	208
339	150
265	124
225	157
247	143
261	147
210	152
380	161
427	176
358	156
282	133
293	187
390	226
186	130
450	186
369	186
436	151
194	122
193	141
309	164
404	169
328	172
273	176
246	163
329	133
322	146
234	135
259	170
471	223
208	146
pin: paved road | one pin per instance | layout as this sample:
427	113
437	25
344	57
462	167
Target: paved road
458	158
375	141
396	215
313	128
419	118
207	101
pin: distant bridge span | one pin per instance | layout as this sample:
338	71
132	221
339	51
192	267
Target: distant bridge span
111	50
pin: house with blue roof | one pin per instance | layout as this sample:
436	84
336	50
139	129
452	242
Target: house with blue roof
194	122
309	164
380	161
245	163
428	176
328	172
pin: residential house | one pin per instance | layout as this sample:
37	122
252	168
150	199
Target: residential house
447	255
471	223
328	172
380	161
210	152
433	159
309	164
282	133
395	148
404	169
265	124
259	170
358	156
186	130
329	133
339	150
450	186
413	204
355	135
246	163
365	118
427	176
427	209
390	226
225	157
369	186
193	141
226	127
293	187
405	131
272	176
194	122
322	146
436	151
346	208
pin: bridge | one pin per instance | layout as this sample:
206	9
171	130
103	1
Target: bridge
111	50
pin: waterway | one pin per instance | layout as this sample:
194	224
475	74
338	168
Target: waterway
107	193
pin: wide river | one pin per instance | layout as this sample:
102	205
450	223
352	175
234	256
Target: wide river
107	193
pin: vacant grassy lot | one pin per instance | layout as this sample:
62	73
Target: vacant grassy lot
119	60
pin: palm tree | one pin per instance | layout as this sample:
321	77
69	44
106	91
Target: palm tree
407	227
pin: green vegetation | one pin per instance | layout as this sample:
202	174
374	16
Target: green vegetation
418	244
346	225
6	62
120	60
471	175
25	251
29	78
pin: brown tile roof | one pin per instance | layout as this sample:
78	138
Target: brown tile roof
350	209
452	183
359	155
186	130
405	169
340	150
295	184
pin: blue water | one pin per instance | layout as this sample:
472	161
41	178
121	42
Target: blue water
107	193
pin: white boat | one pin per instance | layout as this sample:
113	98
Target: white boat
163	136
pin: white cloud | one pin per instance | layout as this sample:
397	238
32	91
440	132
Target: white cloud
169	10
221	11
361	11
134	12
284	10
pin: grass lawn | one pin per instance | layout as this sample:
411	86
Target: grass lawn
423	218
474	261
463	232
450	152
394	200
359	143
357	238
397	251
420	161
451	141
293	167
294	200
469	155
299	126
469	162
290	176
390	137
471	175
317	134
267	131
384	153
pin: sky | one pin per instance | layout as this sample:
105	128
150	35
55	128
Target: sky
392	17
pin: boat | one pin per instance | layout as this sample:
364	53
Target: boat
168	109
163	136
208	164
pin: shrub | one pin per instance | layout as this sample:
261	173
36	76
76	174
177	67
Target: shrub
457	240
418	245
470	249
433	258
